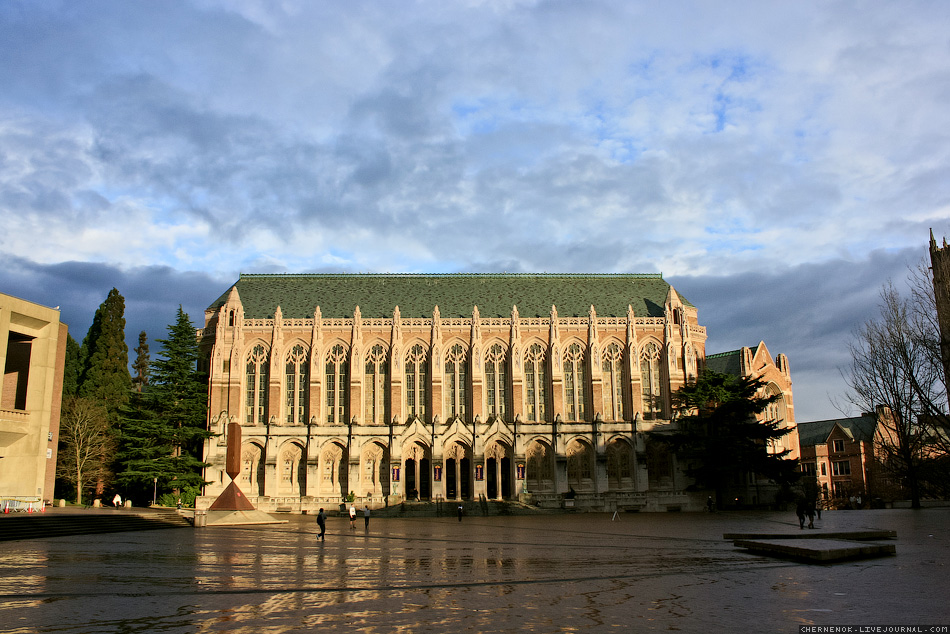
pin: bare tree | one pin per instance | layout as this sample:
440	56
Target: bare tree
86	439
896	371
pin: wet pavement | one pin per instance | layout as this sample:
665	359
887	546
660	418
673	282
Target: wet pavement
564	573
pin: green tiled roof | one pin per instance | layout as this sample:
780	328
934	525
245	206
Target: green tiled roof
454	294
725	362
816	433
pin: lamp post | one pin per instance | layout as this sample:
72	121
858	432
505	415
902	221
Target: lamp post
154	490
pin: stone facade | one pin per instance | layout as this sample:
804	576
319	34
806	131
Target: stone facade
33	354
395	387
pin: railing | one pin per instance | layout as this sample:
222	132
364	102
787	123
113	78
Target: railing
20	503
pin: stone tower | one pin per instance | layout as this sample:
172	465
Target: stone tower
940	265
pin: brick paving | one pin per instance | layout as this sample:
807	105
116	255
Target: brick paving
584	572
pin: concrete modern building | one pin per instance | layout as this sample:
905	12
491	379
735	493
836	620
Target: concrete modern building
395	387
32	352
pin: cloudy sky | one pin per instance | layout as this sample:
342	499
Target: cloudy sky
776	161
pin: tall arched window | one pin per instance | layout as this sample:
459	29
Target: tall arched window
619	462
496	380
775	413
574	382
613	382
374	385
580	459
295	386
416	372
534	380
650	382
337	385
453	385
255	389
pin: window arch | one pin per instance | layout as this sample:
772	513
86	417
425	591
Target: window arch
619	462
295	386
540	467
337	385
775	413
374	385
292	476
612	368
534	382
580	460
574	382
255	389
417	369
453	385
496	380
650	381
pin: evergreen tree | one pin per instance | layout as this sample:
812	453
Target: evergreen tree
105	376
72	368
143	457
141	364
179	396
719	436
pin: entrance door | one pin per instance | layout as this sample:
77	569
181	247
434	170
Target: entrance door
466	477
411	488
450	483
491	479
425	479
506	478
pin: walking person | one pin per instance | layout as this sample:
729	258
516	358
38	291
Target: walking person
800	512
352	517
322	523
366	517
460	512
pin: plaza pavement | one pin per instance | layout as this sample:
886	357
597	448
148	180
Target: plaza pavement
553	573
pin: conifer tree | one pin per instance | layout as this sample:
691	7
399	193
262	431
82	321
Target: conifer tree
178	392
72	367
105	376
145	445
719	436
141	364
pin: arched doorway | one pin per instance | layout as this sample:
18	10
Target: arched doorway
458	473
498	474
252	470
417	467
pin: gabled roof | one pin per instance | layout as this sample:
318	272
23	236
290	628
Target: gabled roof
859	428
454	294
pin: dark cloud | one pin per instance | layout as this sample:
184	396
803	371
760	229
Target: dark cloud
152	294
807	312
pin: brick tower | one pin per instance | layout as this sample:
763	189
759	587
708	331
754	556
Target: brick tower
940	265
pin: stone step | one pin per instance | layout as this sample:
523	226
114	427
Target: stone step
808	534
816	550
43	525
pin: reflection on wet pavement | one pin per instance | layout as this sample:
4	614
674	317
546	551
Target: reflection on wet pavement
551	573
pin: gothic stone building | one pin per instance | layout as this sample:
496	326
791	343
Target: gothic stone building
536	388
